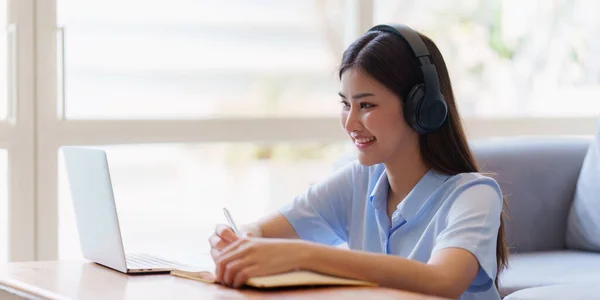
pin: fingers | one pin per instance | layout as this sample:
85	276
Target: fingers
227	251
214	253
232	269
232	247
226	233
230	253
217	242
242	276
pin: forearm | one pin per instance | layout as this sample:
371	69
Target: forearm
272	226
386	270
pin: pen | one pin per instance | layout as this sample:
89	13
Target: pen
230	221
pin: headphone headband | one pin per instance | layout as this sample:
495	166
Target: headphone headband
406	33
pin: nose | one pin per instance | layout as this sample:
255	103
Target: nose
351	120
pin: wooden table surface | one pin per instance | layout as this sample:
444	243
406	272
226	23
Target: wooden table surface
86	280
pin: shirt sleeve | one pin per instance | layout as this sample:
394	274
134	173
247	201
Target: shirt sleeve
472	224
321	214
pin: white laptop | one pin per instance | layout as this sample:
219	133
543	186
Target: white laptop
96	215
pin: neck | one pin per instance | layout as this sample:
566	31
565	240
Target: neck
404	173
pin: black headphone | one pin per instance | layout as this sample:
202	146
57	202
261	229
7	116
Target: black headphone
425	109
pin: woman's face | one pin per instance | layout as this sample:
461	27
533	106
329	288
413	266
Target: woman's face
373	118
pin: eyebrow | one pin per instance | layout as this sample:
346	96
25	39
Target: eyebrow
357	96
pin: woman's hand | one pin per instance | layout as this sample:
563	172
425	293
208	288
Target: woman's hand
249	256
221	238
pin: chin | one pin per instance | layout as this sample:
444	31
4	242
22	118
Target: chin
367	160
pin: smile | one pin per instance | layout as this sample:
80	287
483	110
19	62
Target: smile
363	143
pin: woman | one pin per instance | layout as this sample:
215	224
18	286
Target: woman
413	209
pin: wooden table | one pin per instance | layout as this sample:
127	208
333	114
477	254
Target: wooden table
85	280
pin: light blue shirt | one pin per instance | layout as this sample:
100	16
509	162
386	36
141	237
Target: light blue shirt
441	211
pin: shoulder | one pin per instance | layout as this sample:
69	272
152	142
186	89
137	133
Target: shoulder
473	191
464	181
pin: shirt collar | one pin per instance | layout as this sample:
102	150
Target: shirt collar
379	193
416	199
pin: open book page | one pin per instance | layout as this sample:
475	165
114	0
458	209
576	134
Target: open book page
203	276
298	278
295	278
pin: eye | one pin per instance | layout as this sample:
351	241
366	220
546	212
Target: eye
366	105
344	103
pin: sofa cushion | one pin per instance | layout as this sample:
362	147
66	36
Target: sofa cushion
538	177
526	270
582	291
583	224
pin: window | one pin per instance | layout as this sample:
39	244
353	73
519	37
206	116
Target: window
172	86
5	35
170	197
193	59
3	206
510	57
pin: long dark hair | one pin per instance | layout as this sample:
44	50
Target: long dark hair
389	60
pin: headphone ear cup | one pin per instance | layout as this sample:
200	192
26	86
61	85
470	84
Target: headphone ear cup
432	113
411	107
424	115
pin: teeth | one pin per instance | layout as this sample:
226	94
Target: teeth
365	140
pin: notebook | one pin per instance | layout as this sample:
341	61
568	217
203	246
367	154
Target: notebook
289	279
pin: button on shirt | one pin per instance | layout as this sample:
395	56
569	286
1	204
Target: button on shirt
441	211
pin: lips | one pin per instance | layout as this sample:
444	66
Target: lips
364	142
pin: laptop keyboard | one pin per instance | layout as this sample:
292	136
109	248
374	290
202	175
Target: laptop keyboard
145	261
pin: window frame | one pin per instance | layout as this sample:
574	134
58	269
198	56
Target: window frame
17	132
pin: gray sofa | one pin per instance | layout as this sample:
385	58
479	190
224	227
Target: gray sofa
538	176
